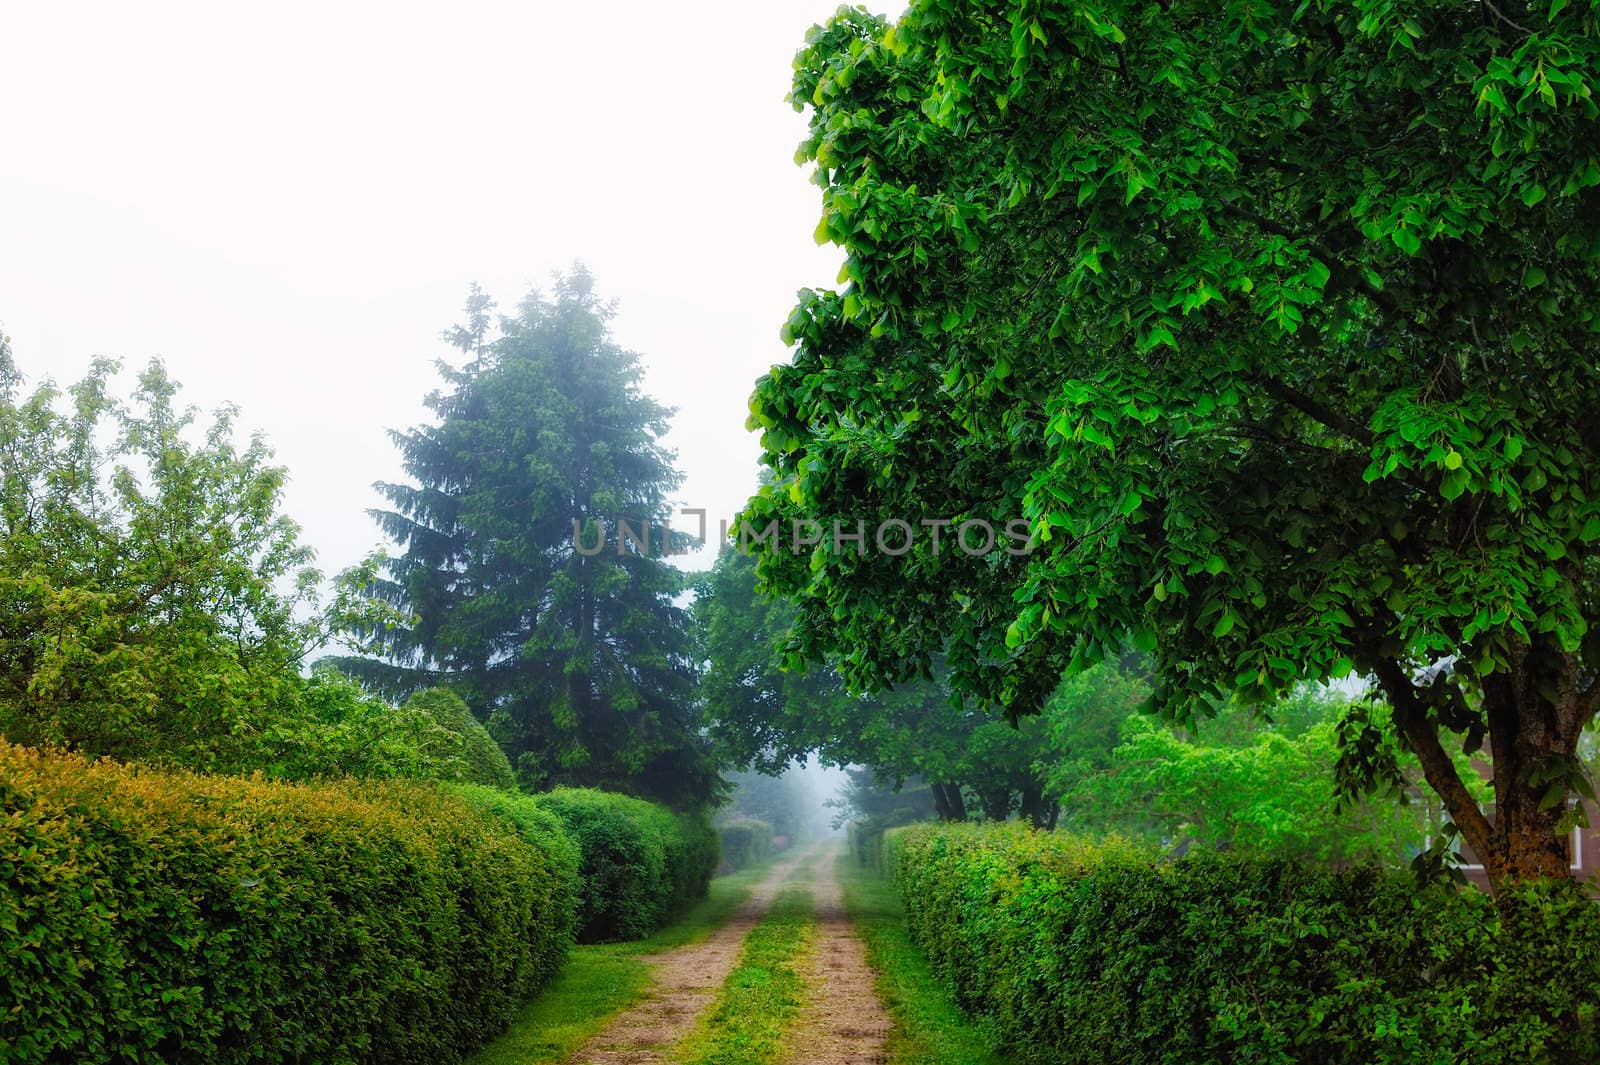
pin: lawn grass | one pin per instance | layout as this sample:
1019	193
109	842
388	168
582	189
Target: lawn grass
929	1029
601	980
761	996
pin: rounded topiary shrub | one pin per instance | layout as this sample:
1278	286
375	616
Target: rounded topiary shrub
480	759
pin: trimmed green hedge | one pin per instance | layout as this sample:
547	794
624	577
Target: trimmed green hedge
1102	953
160	917
558	920
745	841
641	863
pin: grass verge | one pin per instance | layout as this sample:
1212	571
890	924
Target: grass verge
930	1029
761	996
602	980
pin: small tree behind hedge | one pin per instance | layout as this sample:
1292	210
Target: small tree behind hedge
480	759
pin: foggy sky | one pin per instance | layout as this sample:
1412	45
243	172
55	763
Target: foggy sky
287	203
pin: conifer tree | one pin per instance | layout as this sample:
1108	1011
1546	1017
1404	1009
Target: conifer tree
579	660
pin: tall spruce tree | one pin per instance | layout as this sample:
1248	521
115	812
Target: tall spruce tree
580	660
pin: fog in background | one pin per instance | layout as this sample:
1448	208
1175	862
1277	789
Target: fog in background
287	205
822	785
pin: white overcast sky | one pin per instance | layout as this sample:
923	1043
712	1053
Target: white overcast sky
287	202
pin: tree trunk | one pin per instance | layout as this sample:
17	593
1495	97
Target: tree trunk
958	802
996	803
1040	814
947	800
1533	724
1524	843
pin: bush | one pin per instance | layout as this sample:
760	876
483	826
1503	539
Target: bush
330	726
148	916
1099	952
474	754
745	842
557	921
641	863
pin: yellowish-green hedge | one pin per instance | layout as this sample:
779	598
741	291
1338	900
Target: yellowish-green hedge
168	917
1093	952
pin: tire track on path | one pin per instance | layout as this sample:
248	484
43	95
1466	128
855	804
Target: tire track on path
843	1022
685	983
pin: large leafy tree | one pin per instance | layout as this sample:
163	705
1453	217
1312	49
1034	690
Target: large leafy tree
157	605
580	660
1275	321
142	611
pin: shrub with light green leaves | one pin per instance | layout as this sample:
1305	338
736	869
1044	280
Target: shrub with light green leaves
150	916
1103	953
641	863
467	747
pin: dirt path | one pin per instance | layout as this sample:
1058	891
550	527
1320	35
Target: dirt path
844	1021
686	983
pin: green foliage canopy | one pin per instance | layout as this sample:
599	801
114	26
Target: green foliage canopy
143	564
156	605
1274	320
770	717
1240	785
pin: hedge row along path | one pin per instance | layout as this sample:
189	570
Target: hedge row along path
843	1022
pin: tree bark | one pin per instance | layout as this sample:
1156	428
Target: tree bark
1040	814
996	803
948	801
1533	722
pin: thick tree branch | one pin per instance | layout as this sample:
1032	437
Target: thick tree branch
1315	409
1422	738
